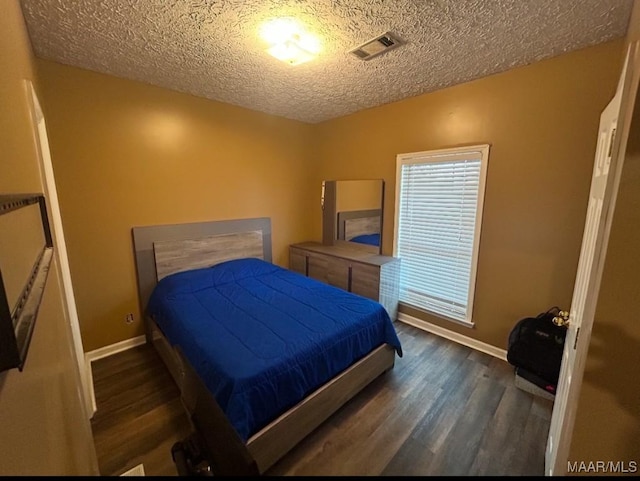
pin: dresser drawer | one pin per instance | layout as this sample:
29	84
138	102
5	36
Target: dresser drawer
338	273
373	276
318	267
365	280
297	261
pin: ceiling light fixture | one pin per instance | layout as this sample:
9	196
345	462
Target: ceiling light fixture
289	41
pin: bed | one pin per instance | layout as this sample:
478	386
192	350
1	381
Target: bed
261	355
360	226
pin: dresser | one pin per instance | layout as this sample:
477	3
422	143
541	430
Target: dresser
355	270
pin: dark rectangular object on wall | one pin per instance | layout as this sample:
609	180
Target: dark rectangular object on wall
17	322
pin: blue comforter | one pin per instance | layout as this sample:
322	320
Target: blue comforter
369	239
262	337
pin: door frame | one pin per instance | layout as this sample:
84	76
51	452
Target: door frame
628	86
48	183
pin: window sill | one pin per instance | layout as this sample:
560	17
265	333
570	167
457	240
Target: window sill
427	315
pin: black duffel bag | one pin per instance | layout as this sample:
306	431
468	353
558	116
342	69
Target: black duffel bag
536	345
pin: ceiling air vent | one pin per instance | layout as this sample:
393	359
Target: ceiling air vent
376	46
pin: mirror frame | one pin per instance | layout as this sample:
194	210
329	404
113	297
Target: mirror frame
330	226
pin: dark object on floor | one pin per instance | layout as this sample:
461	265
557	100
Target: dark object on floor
189	459
535	348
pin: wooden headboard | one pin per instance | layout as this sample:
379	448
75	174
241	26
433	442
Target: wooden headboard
358	222
162	250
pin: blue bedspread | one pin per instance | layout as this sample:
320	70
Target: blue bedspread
262	337
369	239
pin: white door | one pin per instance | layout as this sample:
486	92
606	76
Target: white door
604	182
69	302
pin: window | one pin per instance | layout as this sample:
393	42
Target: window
439	196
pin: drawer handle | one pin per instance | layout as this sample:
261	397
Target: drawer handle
349	280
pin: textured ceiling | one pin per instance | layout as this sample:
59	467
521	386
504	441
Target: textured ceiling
212	49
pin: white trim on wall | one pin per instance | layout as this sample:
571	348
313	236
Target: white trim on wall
453	336
92	391
107	351
112	349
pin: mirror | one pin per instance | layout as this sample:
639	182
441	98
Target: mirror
352	213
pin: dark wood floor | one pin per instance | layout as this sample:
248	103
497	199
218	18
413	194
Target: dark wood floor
139	415
443	410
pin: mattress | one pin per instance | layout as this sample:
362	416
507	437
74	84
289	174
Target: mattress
262	337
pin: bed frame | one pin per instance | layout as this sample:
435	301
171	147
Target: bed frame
166	249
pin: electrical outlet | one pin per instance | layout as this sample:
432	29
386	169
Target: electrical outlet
129	318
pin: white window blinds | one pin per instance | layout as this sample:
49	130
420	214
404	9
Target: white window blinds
438	227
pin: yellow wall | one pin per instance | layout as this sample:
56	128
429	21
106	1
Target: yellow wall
608	416
128	154
42	427
541	121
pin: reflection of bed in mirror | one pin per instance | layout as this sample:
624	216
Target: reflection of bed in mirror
360	227
204	289
352	214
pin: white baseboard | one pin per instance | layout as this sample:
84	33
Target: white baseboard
112	349
453	336
107	351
